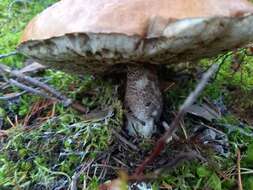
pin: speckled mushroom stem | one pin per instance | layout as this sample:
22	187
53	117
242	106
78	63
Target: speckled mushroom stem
143	100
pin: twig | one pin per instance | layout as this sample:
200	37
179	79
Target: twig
29	89
11	97
10	122
119	162
36	109
161	143
223	59
106	166
36	83
78	107
8	54
51	93
43	86
76	176
32	67
3	134
73	184
249	172
239	177
174	136
244	171
124	140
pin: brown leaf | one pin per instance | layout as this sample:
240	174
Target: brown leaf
116	184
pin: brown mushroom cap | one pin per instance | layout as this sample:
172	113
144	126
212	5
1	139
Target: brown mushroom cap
91	36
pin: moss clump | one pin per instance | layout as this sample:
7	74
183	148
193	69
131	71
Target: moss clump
46	156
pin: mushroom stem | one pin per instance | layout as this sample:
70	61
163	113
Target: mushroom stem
143	100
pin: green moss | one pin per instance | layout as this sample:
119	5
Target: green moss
50	153
55	149
14	16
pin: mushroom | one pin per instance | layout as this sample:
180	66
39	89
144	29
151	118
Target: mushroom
100	37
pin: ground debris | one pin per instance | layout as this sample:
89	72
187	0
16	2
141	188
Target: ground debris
32	68
203	111
44	90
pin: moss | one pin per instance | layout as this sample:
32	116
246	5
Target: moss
54	150
47	154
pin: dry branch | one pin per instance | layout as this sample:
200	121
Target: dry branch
8	54
161	143
41	85
124	140
45	92
239	177
12	96
29	89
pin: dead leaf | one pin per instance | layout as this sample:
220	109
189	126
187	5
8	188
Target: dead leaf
116	184
203	111
34	67
166	186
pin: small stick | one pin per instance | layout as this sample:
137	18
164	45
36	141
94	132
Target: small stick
10	122
161	143
8	54
56	95
43	86
78	107
124	140
11	97
29	89
75	177
37	83
3	134
120	162
239	177
5	68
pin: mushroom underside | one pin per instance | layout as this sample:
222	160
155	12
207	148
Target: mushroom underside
181	41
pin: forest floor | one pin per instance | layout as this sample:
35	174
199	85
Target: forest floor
46	145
